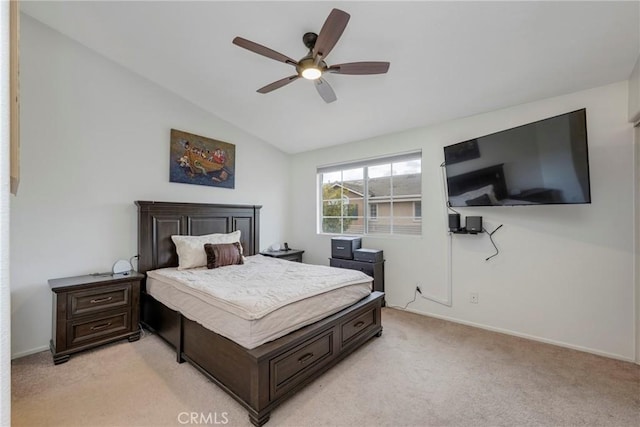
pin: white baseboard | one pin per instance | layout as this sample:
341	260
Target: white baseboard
521	335
29	352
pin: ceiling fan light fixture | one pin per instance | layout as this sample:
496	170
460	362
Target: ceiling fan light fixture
311	73
312	66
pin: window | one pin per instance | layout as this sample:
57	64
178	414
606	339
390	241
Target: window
417	211
373	211
390	189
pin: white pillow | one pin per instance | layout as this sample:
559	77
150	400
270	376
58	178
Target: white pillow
191	251
460	199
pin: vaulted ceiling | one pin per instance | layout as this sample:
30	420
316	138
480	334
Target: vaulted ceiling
448	59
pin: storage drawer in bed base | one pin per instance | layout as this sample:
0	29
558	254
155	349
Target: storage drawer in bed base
262	378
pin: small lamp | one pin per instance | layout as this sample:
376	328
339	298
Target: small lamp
122	267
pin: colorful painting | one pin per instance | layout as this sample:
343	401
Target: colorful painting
201	161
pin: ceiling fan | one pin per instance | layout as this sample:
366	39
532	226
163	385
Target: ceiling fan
312	66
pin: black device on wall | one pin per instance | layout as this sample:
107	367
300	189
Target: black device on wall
544	162
454	222
473	224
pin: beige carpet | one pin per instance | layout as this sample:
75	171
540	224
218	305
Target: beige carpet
421	372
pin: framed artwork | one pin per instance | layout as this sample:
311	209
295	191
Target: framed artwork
202	161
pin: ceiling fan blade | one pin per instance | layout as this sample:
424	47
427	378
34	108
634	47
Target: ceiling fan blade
264	51
330	33
325	90
278	84
371	67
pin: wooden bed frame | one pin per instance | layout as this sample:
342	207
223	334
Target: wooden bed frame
263	377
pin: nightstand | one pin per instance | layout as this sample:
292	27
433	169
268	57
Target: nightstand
290	255
92	310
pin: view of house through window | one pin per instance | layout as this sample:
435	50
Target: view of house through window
380	196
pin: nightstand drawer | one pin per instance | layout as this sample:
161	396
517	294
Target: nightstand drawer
94	300
294	258
98	327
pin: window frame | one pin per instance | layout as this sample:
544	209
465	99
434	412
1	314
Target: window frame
402	223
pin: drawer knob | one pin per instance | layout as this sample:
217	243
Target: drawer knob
99	300
101	326
304	358
359	324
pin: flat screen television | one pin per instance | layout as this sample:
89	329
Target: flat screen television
544	162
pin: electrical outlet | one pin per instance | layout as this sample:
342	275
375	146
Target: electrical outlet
473	298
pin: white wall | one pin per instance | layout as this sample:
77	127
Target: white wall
95	138
634	93
5	325
565	272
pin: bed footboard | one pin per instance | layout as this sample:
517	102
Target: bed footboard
262	378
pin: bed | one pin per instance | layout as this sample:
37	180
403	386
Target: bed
259	378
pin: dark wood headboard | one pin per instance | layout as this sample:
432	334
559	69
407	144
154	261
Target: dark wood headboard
158	221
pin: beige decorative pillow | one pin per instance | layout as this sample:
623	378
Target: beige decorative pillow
190	249
219	255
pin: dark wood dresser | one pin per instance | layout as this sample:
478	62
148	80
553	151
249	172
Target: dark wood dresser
373	269
92	310
291	254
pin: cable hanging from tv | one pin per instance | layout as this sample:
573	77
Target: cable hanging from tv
492	242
